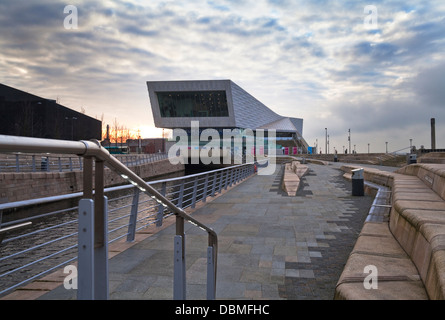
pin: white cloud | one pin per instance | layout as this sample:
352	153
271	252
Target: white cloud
310	59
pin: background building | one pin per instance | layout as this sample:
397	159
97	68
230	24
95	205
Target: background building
219	104
24	114
149	145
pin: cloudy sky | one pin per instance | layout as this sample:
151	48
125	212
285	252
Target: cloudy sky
324	61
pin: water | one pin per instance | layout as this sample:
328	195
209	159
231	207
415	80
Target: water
61	232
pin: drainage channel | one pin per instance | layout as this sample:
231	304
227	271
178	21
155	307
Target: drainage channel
381	207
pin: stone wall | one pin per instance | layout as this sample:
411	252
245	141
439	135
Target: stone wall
25	186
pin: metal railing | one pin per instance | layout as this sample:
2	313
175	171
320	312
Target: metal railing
19	162
96	222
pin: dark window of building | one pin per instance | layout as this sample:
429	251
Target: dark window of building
193	104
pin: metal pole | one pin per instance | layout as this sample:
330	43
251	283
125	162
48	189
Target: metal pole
433	133
326	141
160	216
211	283
349	139
133	216
86	250
87	178
204	194
101	283
179	281
195	190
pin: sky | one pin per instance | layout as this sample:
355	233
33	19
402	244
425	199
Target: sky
377	71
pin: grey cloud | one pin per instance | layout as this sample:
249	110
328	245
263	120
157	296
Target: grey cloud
376	52
429	85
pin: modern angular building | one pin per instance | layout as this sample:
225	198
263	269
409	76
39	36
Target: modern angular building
219	104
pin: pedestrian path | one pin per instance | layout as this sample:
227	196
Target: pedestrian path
270	245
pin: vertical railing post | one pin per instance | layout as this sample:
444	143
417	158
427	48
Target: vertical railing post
211	273
232	177
179	278
181	194
160	215
206	184
195	189
221	180
17	163
226	182
215	177
133	216
86	236
33	163
93	235
101	286
100	236
86	250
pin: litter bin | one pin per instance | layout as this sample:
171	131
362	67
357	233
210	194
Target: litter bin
412	158
358	183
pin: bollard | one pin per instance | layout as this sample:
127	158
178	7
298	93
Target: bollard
358	184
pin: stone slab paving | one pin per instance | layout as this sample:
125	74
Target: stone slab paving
270	245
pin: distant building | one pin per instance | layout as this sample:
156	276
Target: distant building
219	104
28	115
150	145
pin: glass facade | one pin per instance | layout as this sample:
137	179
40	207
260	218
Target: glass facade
193	104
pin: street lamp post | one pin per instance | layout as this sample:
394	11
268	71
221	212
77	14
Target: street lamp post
328	146
349	139
326	141
72	126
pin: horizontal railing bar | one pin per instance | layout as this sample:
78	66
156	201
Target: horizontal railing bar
119	218
38	216
38	246
39	260
119	208
38	231
120	198
25	203
37	275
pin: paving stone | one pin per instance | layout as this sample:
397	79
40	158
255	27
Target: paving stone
271	246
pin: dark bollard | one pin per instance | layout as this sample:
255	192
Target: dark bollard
358	183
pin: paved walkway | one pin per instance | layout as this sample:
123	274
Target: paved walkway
271	246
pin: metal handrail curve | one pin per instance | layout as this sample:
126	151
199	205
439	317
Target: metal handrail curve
93	149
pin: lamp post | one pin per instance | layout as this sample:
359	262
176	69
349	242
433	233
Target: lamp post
72	126
349	139
328	146
326	141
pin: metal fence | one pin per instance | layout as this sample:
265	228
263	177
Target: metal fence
40	236
20	162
